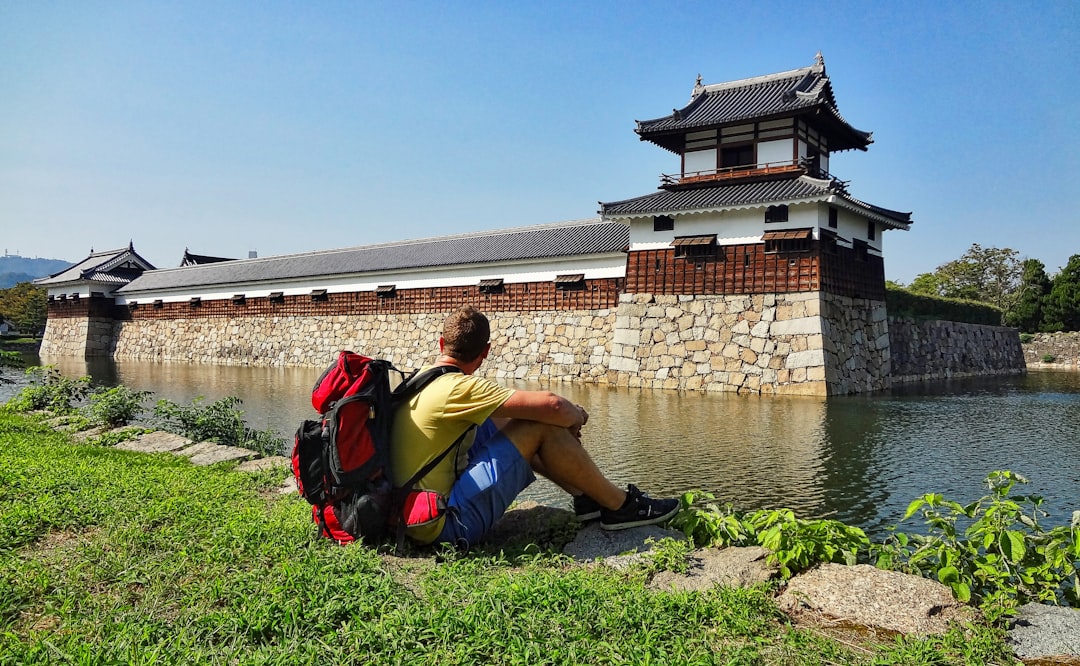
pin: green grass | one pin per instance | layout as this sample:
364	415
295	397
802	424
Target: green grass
111	557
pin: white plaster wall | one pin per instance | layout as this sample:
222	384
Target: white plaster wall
594	267
774	151
732	227
699	160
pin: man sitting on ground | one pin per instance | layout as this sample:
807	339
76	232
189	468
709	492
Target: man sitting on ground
517	433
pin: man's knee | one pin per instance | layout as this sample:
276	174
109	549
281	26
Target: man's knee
529	436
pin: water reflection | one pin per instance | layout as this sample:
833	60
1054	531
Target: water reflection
860	459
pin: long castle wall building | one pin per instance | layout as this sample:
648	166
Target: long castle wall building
752	269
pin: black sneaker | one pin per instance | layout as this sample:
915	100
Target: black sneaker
639	509
586	508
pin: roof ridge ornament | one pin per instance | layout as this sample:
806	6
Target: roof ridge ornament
698	88
819	63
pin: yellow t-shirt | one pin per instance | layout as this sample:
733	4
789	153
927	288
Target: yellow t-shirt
429	423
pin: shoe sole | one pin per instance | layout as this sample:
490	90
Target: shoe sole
655	520
584	517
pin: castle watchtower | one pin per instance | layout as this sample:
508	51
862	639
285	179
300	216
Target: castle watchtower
81	309
754	210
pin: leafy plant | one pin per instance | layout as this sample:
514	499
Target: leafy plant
116	406
670	554
709	523
50	390
1002	559
1026	338
1048	358
221	421
796	544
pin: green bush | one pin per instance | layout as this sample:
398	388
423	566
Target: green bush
1026	338
50	390
796	544
904	303
116	406
221	421
1048	358
1002	559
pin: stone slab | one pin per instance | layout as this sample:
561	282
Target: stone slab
618	548
208	453
155	442
259	464
709	567
1046	632
867	596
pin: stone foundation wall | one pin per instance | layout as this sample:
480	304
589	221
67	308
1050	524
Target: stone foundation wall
81	337
769	343
1064	347
807	343
930	350
557	346
857	354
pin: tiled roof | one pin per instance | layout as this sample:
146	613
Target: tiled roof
567	239
190	259
704	199
772	96
103	267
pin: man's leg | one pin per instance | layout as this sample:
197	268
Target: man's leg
560	457
495	475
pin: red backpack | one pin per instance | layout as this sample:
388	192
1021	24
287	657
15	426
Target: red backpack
342	460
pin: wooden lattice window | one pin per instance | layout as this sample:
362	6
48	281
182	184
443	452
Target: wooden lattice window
792	240
695	247
570	282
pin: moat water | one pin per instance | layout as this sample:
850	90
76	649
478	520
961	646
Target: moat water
859	459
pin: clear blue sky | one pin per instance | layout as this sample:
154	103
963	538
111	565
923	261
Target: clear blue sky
286	127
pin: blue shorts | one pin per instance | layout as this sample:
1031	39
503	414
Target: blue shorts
495	475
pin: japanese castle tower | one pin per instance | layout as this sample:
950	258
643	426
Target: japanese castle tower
754	208
752	269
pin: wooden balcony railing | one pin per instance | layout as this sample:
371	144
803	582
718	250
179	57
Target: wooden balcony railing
744	171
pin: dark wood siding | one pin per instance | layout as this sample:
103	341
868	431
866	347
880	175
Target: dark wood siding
748	269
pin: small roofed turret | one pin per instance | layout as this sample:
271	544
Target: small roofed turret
805	95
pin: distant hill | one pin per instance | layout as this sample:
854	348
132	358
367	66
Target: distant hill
15	269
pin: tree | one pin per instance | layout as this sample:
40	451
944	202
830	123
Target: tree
1027	312
926	283
1061	311
989	275
25	306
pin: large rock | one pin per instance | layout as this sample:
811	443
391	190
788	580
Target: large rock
618	548
208	453
1040	631
730	567
158	441
866	596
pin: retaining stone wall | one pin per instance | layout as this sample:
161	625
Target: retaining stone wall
930	350
804	343
764	343
1064	347
857	353
81	337
557	346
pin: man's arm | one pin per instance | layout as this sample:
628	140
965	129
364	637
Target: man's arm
543	407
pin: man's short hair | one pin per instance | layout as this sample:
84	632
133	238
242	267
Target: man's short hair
465	334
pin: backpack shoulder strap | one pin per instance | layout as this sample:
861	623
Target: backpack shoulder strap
418	380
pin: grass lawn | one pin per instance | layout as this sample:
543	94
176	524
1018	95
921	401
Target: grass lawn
112	557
